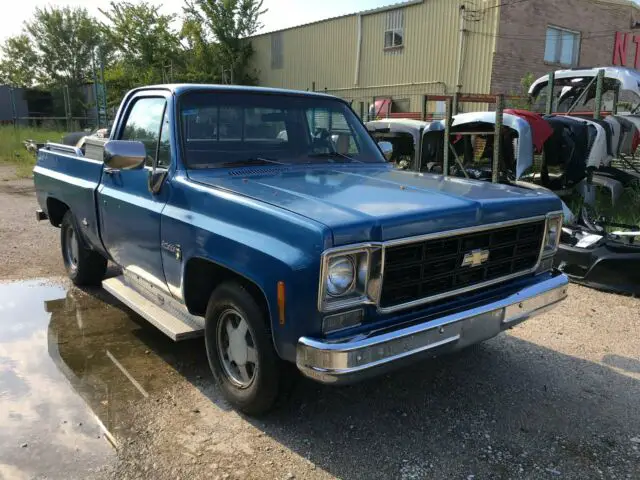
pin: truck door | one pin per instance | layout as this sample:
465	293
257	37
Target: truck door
129	211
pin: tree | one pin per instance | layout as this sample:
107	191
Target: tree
19	63
523	102
145	47
142	37
227	24
525	82
200	65
54	51
64	40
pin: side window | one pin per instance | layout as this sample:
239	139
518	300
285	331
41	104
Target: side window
164	146
143	124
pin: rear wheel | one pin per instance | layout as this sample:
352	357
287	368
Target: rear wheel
240	350
84	267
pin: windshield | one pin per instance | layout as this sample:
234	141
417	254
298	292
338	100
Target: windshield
224	129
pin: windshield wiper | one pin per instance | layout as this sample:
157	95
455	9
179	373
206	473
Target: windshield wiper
251	161
334	155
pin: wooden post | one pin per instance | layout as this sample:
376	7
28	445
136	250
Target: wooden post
616	99
552	80
14	112
497	138
425	106
447	129
597	111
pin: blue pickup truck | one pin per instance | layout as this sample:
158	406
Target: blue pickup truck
270	222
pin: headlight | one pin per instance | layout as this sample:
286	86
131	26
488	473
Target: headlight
349	276
340	276
552	234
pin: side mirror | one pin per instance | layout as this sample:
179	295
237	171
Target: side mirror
156	179
387	149
124	154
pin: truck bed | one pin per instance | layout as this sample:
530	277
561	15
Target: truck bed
64	175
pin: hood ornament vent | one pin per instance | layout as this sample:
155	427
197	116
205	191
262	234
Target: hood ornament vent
253	171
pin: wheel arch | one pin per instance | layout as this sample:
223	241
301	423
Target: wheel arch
56	209
202	275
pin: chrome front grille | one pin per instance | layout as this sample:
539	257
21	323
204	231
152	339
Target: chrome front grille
442	266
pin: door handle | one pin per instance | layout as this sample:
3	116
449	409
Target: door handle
111	171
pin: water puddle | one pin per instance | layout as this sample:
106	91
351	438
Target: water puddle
71	363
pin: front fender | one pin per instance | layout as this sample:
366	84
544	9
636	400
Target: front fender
261	243
265	272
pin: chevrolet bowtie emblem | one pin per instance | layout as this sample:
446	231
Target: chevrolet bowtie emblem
475	258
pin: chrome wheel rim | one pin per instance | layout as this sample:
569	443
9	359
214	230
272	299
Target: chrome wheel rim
236	348
71	248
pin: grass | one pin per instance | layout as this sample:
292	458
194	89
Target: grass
12	151
628	206
626	210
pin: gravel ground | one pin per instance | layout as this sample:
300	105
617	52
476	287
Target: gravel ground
556	397
28	248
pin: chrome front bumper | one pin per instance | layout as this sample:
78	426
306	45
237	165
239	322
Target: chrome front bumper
364	356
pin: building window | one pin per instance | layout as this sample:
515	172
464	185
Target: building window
394	31
562	46
276	51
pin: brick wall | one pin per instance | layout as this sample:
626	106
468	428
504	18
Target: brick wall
521	37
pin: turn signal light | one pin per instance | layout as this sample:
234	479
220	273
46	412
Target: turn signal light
281	303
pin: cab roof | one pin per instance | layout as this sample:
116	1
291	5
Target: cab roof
182	88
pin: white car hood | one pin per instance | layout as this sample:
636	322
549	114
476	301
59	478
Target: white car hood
598	155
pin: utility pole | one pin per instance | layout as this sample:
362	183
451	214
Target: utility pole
497	138
460	50
95	87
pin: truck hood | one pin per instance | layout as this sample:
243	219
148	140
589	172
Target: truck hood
375	203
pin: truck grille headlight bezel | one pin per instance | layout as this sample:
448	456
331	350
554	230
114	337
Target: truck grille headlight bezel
366	261
551	239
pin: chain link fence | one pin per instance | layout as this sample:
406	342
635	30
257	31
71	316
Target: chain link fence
63	109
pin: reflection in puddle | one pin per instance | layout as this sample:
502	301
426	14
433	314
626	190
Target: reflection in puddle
62	351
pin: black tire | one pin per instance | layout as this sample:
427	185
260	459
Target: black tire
85	267
73	138
259	396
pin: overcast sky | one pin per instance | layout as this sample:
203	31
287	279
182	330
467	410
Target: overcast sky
280	14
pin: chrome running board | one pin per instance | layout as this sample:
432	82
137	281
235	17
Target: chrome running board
162	311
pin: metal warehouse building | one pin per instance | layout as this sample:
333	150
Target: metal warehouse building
436	47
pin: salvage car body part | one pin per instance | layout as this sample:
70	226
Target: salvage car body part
608	262
524	152
598	147
574	81
617	133
540	128
398	131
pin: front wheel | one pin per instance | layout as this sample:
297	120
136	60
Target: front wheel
240	350
84	267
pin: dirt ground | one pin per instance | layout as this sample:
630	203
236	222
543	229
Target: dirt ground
556	397
22	241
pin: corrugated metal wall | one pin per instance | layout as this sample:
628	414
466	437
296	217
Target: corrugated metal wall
326	53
